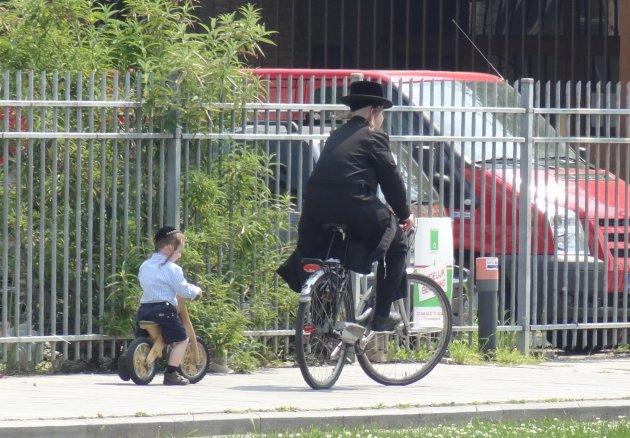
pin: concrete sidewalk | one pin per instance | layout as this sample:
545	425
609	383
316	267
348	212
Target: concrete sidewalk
102	405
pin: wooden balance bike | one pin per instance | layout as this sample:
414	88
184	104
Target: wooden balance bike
140	362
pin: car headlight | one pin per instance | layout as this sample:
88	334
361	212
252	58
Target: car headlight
568	233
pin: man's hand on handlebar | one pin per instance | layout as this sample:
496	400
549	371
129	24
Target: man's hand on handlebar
409	223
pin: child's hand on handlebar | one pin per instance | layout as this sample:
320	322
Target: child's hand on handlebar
408	223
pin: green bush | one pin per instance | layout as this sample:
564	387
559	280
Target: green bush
159	53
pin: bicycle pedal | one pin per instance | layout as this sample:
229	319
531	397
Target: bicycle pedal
351	332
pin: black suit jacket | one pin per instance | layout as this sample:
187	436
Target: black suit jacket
343	189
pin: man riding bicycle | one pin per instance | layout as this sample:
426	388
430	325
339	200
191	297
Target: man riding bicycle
343	188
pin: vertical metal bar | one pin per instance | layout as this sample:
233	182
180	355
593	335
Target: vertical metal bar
536	250
558	313
514	229
604	281
66	213
524	234
626	207
563	211
90	222
114	187
43	200
565	263
544	282
493	188
173	170
102	205
617	201
186	146
149	167
78	213
29	221
53	214
138	151
126	171
17	270
610	221
5	220
480	94
503	261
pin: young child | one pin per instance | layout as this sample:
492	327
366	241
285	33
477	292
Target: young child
162	280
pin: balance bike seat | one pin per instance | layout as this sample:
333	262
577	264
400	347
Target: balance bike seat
155	333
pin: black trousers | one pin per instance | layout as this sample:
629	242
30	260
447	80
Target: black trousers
391	276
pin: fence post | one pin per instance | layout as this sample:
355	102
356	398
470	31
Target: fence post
173	177
525	218
487	284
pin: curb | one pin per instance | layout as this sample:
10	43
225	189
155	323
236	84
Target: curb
268	422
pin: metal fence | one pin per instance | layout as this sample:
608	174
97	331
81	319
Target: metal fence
86	176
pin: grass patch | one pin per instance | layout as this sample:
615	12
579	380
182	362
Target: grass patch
543	428
464	350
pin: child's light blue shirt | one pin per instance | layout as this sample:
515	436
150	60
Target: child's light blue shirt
164	281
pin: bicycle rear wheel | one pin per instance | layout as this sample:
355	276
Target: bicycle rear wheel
415	347
320	353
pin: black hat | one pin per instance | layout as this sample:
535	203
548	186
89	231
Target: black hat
365	93
165	232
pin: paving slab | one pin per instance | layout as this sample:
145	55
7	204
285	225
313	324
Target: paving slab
277	399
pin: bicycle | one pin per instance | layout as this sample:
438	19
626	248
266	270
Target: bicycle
139	362
327	331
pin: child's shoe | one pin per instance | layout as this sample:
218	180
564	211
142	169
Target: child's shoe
175	378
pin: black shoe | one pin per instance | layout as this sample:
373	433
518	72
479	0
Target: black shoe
175	378
386	323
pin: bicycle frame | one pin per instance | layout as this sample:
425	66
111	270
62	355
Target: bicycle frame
155	334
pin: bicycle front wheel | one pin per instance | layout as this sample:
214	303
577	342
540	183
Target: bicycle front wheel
320	353
415	347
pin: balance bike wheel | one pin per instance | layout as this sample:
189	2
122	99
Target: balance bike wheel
139	371
192	370
123	373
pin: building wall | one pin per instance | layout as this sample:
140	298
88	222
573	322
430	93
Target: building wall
549	40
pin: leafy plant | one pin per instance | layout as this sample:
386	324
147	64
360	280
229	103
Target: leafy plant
156	52
187	64
232	211
124	298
